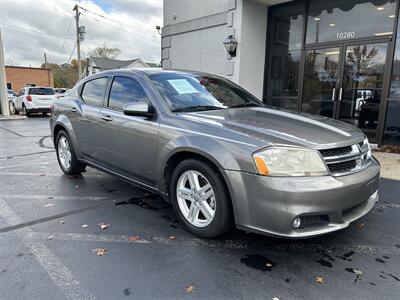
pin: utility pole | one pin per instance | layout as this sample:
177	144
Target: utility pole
45	60
4	108
78	41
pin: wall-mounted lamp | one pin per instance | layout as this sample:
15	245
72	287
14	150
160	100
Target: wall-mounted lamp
230	45
158	27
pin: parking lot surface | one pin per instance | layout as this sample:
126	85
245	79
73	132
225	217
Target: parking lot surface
50	241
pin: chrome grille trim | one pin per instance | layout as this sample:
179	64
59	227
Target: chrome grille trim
338	165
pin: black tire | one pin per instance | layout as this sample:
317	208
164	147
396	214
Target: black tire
76	166
44	114
223	218
26	112
16	111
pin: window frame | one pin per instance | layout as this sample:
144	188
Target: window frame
107	100
106	87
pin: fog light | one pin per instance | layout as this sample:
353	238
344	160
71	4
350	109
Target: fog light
296	223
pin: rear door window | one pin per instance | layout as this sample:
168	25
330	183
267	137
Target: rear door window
93	91
125	90
41	91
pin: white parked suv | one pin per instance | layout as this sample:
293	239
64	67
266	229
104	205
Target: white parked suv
34	100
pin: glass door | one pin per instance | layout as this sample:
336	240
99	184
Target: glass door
321	79
360	92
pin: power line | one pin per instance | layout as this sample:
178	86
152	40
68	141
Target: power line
139	29
72	53
35	31
127	32
66	33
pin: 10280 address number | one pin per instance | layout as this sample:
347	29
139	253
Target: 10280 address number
345	35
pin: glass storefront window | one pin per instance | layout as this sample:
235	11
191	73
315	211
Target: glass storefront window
348	19
395	80
285	55
392	125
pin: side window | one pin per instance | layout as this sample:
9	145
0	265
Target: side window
93	91
124	90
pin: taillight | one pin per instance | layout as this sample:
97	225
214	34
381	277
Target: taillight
29	98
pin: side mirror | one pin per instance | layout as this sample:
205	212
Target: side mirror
139	108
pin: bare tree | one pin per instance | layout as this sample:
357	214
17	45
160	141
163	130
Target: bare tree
105	52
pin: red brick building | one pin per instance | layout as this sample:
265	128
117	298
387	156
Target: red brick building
19	77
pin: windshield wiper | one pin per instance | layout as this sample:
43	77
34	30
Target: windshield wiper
248	104
197	108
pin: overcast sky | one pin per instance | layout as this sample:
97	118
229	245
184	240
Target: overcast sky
33	27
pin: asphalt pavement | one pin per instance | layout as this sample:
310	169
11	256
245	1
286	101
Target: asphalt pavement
51	242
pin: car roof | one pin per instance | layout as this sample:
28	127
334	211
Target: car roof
148	72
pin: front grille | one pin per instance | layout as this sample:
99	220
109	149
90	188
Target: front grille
336	151
345	160
342	167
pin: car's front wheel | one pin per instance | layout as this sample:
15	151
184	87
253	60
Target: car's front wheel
200	198
66	156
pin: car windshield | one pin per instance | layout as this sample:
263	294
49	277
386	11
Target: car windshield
186	92
41	91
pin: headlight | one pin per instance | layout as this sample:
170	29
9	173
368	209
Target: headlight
282	161
366	144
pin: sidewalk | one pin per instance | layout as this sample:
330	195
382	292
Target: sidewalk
390	164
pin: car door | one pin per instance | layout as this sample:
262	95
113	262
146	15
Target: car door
130	141
85	117
18	99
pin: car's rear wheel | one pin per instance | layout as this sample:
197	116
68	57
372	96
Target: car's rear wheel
16	111
200	198
25	111
66	156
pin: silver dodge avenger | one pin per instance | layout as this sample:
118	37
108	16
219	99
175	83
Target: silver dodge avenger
216	153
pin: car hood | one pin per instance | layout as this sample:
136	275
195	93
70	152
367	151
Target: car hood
275	126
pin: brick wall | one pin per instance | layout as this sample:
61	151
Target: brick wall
20	76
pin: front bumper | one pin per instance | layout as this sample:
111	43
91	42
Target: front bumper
269	205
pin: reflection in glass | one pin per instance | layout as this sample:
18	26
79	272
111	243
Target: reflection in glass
395	80
349	19
392	126
362	86
320	78
284	55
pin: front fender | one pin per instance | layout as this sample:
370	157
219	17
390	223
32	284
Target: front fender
224	155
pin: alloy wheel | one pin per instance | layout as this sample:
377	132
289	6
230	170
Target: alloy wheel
196	198
64	152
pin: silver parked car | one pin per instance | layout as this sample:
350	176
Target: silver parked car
219	155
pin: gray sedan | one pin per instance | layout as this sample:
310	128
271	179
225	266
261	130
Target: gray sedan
219	155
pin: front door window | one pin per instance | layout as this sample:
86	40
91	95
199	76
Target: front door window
321	74
362	86
345	83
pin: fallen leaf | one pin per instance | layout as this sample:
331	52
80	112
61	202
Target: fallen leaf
319	279
50	237
360	226
42	174
84	225
172	237
133	238
100	251
62	222
358	272
103	225
189	289
49	205
50	197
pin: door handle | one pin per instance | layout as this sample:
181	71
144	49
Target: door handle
333	94
73	109
340	94
106	118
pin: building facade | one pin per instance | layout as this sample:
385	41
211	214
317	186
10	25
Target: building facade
338	58
19	77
